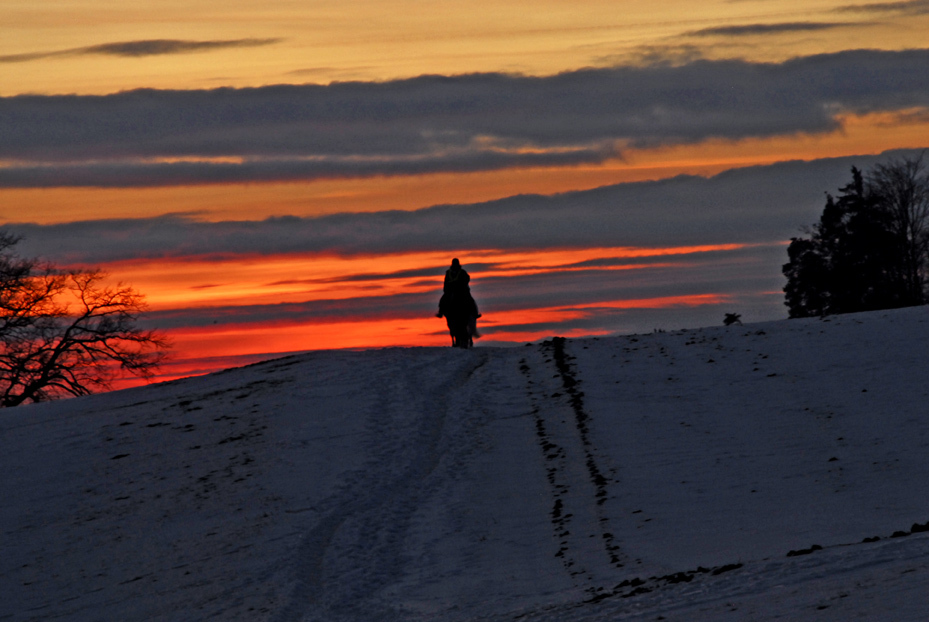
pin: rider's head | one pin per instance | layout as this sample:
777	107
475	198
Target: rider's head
455	263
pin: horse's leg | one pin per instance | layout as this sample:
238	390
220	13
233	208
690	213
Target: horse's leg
461	336
472	328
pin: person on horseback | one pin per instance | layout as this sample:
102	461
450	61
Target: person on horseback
458	306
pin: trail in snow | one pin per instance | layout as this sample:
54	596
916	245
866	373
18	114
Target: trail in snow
356	548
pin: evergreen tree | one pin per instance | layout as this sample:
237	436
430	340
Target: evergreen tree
870	248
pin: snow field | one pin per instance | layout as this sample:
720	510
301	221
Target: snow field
722	473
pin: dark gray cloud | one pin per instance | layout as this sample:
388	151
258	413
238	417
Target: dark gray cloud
750	205
675	52
437	123
766	29
140	174
147	47
910	7
155	47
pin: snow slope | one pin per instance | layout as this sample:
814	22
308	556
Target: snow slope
716	474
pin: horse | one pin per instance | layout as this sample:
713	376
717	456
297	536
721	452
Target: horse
460	319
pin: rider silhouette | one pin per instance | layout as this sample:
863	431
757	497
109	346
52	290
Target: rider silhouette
457	290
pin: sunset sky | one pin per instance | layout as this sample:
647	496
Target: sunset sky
290	175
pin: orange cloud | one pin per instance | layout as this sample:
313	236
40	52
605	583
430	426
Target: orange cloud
378	41
197	283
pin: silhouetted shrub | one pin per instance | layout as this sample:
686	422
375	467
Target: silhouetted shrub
732	318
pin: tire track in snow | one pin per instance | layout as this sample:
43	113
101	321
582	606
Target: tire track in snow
356	549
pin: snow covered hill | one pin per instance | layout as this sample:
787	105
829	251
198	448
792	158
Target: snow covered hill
752	472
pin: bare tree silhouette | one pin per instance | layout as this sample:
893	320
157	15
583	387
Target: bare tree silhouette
67	332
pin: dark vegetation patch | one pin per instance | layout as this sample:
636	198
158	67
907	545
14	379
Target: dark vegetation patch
800	552
636	586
